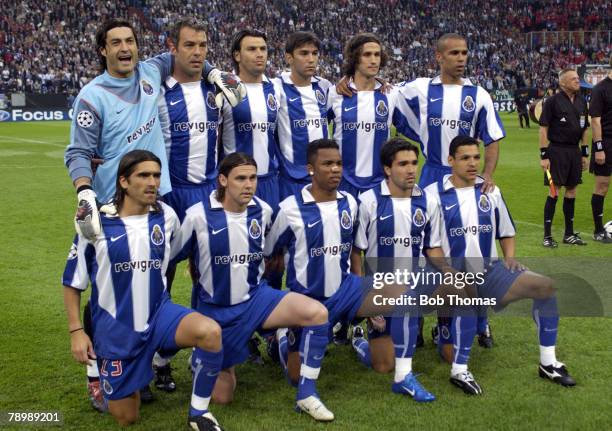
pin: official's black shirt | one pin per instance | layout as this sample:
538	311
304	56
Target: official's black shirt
520	100
601	106
566	121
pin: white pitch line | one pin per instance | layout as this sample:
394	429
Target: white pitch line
32	141
526	223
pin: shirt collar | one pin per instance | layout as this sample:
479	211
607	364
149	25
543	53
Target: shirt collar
309	199
286	78
384	190
447	184
351	84
438	81
216	205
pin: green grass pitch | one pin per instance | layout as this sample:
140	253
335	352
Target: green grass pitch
37	372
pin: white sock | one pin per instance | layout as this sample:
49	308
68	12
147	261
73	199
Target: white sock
403	367
547	355
458	368
92	370
158	361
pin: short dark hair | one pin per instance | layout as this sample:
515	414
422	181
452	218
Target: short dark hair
101	37
237	41
127	164
319	144
175	31
300	38
353	49
230	162
461	141
441	42
394	146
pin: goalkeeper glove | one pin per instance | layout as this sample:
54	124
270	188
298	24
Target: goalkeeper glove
87	218
228	86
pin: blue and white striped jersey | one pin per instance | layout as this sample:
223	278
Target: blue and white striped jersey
397	227
189	119
302	118
471	220
318	237
362	124
437	113
250	126
113	116
126	266
227	248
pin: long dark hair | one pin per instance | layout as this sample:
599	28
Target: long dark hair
352	52
227	164
126	168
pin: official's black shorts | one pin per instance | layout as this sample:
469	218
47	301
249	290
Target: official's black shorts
565	165
606	169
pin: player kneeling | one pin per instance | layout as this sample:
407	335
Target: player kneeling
132	313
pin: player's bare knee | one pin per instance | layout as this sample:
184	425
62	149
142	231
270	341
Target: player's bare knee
126	418
546	288
319	314
209	336
224	397
383	367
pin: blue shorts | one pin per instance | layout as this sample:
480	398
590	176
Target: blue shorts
120	378
497	281
291	186
343	305
267	190
432	173
183	197
239	322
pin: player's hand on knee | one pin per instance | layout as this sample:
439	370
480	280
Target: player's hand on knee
81	347
545	164
514	265
228	87
87	217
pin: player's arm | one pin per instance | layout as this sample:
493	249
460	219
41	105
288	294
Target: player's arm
505	231
596	108
356	261
490	130
584	148
360	243
544	121
407	112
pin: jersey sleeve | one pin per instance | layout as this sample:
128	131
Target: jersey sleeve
596	106
76	272
489	127
280	234
504	225
433	228
164	120
546	114
186	239
406	115
361	237
85	132
164	63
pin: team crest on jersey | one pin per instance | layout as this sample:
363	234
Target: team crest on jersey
85	119
484	204
381	108
272	102
320	97
146	87
108	389
72	254
468	104
157	236
346	221
254	229
210	100
418	219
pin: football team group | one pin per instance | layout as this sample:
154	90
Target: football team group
175	160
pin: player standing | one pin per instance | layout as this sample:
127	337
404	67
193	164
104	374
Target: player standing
227	232
472	221
132	313
601	156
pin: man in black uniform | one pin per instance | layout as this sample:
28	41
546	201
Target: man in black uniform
521	100
563	125
601	157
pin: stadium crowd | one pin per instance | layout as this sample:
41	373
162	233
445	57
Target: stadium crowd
46	47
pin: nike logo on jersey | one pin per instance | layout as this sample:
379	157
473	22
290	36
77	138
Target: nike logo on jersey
293	99
434	100
214	232
314	223
318	358
174	102
116	238
349	109
448	207
385	217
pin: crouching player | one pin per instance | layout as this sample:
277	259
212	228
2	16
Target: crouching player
317	228
132	314
226	234
471	223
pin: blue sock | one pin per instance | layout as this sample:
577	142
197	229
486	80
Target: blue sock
463	329
483	321
445	336
206	366
362	348
404	331
312	350
546	316
283	352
